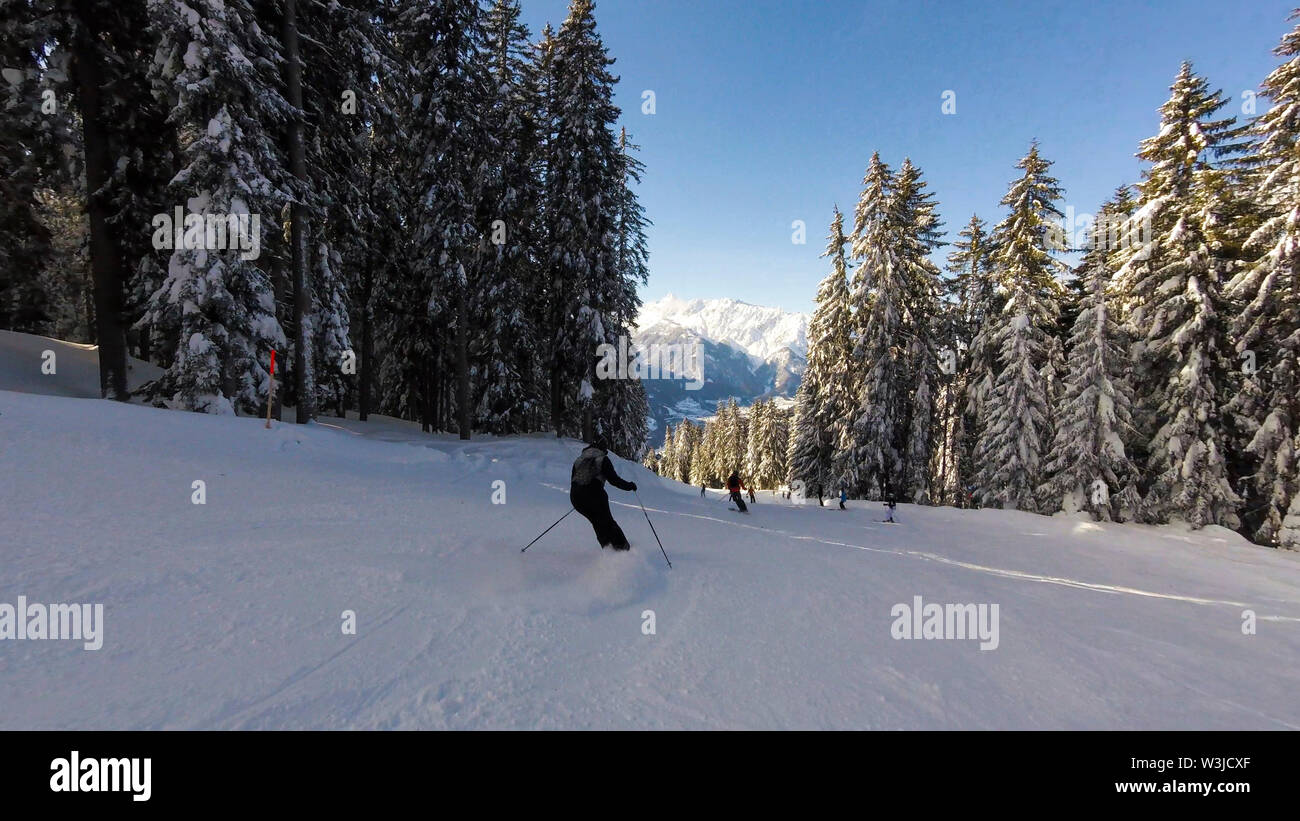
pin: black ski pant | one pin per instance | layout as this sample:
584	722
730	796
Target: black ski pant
593	503
740	503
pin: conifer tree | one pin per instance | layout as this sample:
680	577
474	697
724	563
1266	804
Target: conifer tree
452	127
1016	414
1171	291
510	298
25	242
870	457
1088	467
584	177
823	399
976	301
1267	328
917	235
216	71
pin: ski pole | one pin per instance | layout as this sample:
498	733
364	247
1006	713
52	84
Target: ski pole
652	529
547	530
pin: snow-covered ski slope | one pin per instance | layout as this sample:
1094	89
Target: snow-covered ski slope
229	614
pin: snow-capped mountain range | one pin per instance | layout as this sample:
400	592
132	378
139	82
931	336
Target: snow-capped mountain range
749	352
761	332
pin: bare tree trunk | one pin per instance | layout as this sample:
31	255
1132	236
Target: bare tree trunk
462	364
367	356
556	404
367	294
298	215
278	284
105	254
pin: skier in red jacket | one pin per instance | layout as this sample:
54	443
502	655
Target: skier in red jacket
733	488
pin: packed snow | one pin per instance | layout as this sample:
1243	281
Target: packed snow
230	614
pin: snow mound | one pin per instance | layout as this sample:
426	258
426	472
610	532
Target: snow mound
75	367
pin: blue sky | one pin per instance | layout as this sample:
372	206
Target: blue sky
767	111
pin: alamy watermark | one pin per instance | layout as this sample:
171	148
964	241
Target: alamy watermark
652	361
77	774
209	232
53	622
1083	231
920	620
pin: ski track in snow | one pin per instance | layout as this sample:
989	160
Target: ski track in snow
997	571
226	615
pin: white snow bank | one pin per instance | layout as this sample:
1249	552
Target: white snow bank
76	367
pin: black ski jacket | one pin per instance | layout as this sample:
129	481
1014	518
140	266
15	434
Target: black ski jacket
593	469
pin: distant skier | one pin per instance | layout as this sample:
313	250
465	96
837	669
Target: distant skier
587	493
733	489
890	503
701	491
752	500
844	497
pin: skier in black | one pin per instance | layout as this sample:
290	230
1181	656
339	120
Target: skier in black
891	503
733	488
587	493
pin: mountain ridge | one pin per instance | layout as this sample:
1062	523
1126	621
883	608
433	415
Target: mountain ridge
748	352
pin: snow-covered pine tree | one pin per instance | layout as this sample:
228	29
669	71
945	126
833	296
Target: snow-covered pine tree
917	234
330	328
870	458
982	297
702	458
978	301
767	444
509	386
1009	452
804	461
668	453
687	442
621	406
1054	376
737	438
773	464
632	251
1171	291
446	40
379	258
759	423
108	135
584	180
1268	326
216	69
895	298
717	453
25	242
1088	467
349	115
823	399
